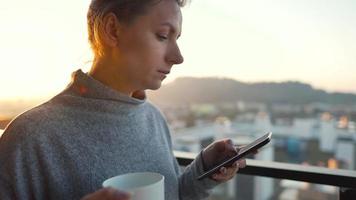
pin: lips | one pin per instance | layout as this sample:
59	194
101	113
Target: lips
166	72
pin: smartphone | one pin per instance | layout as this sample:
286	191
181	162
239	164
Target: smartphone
244	151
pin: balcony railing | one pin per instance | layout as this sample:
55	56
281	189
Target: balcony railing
344	179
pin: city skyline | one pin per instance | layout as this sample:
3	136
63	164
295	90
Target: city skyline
251	41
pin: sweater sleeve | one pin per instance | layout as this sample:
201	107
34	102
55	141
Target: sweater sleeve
16	181
6	193
189	187
8	154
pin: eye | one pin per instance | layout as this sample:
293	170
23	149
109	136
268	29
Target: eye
162	37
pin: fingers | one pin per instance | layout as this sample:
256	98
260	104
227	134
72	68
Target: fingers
230	146
224	145
226	174
217	152
241	163
107	194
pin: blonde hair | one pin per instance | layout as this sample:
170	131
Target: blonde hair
125	10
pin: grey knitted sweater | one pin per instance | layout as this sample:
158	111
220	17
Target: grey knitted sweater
66	147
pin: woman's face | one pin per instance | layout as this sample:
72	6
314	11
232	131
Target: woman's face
147	48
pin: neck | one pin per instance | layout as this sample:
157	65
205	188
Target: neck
108	73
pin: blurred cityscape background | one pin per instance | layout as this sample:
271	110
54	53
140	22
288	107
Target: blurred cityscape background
290	67
310	127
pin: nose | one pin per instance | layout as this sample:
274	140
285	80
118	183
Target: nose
175	57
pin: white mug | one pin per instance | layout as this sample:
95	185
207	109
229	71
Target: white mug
141	185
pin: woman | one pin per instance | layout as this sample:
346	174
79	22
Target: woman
101	125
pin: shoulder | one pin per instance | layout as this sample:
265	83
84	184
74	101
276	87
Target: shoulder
30	123
18	134
155	110
159	118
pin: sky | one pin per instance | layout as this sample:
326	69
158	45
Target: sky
313	41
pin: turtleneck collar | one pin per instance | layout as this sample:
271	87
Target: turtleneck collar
86	86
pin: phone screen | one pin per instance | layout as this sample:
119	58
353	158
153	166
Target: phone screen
244	151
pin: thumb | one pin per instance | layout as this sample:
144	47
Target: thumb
221	146
224	145
230	148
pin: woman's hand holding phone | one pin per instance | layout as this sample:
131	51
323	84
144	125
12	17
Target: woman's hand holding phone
217	152
221	156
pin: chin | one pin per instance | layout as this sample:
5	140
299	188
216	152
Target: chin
155	86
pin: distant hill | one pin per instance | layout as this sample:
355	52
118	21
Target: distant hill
218	90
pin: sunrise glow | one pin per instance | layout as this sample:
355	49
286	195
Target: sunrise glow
42	42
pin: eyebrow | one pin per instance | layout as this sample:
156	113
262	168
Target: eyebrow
173	29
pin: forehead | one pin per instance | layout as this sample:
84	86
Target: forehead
166	11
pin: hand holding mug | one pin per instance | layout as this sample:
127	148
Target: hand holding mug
107	194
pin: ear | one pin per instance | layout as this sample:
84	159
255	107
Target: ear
110	30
